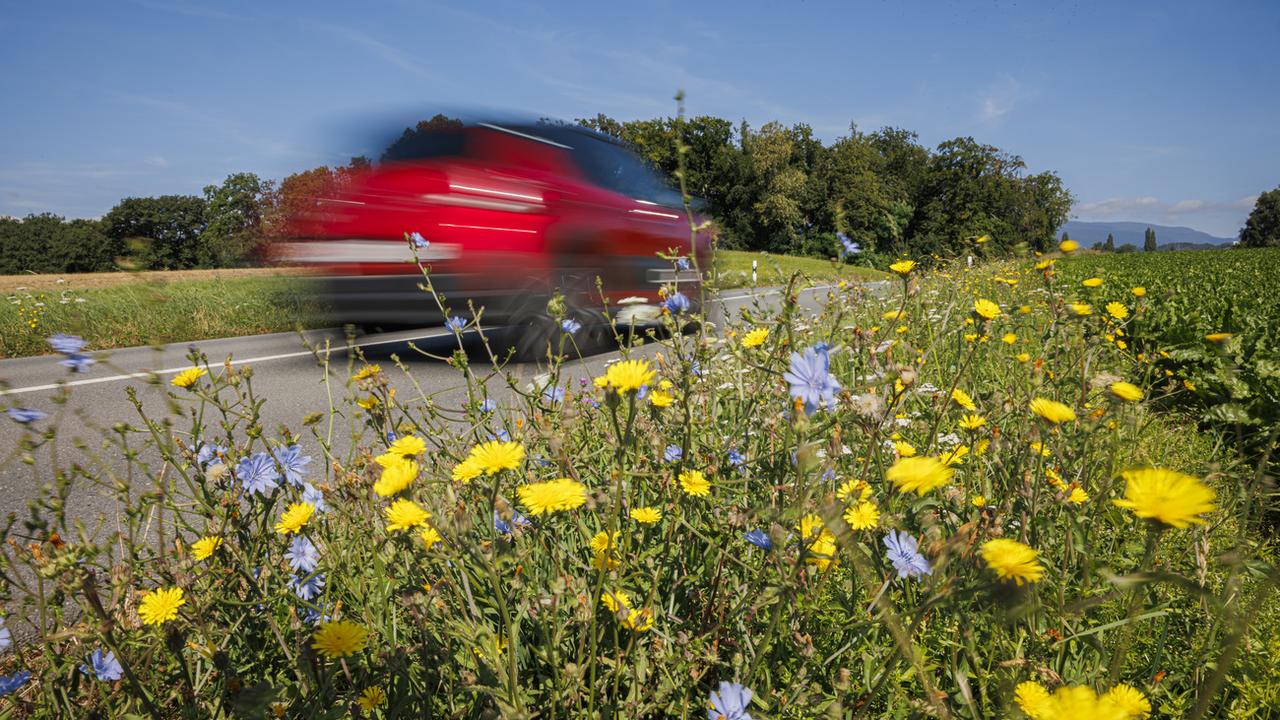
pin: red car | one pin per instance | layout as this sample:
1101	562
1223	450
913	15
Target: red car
512	213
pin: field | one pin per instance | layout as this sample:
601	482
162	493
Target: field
113	310
978	495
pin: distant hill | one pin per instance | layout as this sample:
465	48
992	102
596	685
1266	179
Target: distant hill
1167	237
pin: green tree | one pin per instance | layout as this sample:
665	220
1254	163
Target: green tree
233	215
1262	229
1149	241
47	243
160	233
1110	244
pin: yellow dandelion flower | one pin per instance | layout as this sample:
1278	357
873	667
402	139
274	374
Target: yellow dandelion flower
554	496
1078	496
1218	337
1023	357
1130	700
1139	291
495	456
956	456
405	515
615	599
1126	391
1092	282
1009	339
986	309
430	536
694	483
1166	496
629	375
1068	246
1081	309
466	471
1032	699
862	516
919	474
205	546
1052	410
661	398
903	267
972	422
603	546
962	399
1117	310
1054	478
408	446
904	449
396	477
846	491
188	377
1011	560
339	639
646	515
161	605
366	372
755	338
979	501
293	519
372	697
1045	264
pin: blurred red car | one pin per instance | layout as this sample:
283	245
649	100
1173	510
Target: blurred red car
512	213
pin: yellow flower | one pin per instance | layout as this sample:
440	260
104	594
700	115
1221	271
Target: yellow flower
661	398
646	515
368	403
1011	560
1117	310
629	375
919	474
1009	339
396	477
755	338
903	267
405	515
1052	410
1126	391
956	456
972	422
986	309
1167	496
619	603
1081	309
371	698
962	399
1040	449
554	496
1078	496
904	448
495	456
694	483
1033	699
466	471
1024	309
339	639
1023	357
407	446
295	518
1045	264
1130	700
862	516
161	605
602	548
1139	292
188	377
430	536
854	486
1067	246
1092	282
615	599
982	239
638	620
205	546
979	501
1054	478
366	372
1218	337
1076	702
894	314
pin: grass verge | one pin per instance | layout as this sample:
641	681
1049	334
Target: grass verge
734	267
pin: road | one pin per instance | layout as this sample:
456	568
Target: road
285	372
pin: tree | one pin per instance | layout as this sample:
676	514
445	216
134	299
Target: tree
161	233
1110	244
49	244
1149	241
1127	248
1262	229
233	215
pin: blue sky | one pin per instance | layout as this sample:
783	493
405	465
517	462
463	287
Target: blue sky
1163	112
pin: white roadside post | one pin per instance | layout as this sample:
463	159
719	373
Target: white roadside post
753	272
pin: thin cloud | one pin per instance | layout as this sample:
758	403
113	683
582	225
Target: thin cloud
390	54
1000	98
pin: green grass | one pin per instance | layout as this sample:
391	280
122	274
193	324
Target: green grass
156	313
734	267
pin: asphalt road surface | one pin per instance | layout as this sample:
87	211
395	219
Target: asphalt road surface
285	372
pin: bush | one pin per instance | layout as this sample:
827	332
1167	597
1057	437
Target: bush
894	508
49	244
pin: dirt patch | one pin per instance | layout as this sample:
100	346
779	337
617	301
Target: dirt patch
88	281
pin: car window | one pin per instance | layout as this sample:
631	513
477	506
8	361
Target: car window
616	169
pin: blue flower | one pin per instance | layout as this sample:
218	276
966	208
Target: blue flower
682	264
312	494
696	368
391	436
78	362
419	241
455	323
504	527
66	344
848	246
258	474
488	405
307	588
209	454
730	703
293	463
12	682
553	394
25	415
905	557
676	303
829	475
313	616
672	453
6	637
592	402
758	538
811	379
104	665
642	392
302	555
735	458
500	434
570	325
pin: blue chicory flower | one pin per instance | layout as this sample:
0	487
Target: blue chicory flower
258	474
455	323
673	453
312	494
66	344
848	246
500	434
302	555
696	368
592	402
313	616
730	702
208	454
309	587
504	527
25	415
103	665
676	303
570	325
553	394
419	241
9	683
904	555
759	538
488	405
78	362
293	462
682	264
735	458
811	380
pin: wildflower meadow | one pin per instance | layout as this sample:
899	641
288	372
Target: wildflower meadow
959	494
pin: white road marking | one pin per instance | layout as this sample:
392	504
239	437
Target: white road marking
175	371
